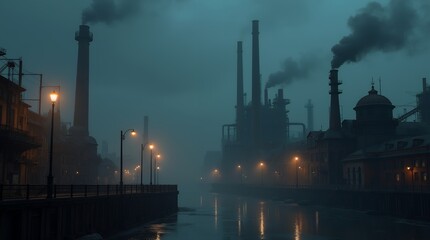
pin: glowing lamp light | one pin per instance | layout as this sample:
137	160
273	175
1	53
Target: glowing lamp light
53	96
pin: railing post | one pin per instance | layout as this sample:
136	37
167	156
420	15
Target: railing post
107	191
55	191
28	192
116	186
97	190
1	191
85	193
71	191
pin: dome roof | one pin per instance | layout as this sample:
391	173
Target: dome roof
373	99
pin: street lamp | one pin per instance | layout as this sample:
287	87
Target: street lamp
150	165
240	171
412	176
155	172
142	148
261	167
296	159
133	133
158	175
50	178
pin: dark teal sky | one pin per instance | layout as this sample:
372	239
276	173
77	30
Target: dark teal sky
175	61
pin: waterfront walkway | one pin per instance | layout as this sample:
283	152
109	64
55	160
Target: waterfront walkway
78	210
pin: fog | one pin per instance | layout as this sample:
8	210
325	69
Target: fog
175	61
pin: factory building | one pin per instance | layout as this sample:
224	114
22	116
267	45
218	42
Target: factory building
24	135
374	150
261	129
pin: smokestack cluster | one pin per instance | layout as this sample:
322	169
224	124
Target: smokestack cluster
292	70
80	121
110	11
376	28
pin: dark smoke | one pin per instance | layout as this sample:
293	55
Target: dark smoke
292	70
110	11
376	28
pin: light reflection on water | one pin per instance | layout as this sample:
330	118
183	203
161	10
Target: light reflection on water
216	216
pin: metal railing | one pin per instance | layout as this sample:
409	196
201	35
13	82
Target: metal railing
27	192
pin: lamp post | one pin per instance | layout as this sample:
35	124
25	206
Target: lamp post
156	168
296	159
50	178
240	172
158	175
412	176
142	148
150	165
121	161
261	169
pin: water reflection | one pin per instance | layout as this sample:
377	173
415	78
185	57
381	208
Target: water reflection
216	211
237	218
261	220
297	227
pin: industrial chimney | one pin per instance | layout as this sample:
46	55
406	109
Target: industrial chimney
80	121
256	84
310	111
240	111
334	101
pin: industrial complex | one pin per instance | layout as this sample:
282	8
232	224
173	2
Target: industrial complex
375	150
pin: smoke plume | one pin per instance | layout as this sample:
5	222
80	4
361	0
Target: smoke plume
110	11
376	28
292	70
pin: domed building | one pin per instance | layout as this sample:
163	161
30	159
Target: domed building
374	119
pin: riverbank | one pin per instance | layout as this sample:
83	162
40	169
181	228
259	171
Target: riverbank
411	205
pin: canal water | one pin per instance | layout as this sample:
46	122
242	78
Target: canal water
204	215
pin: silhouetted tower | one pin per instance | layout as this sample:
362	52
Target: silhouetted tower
310	109
80	122
423	100
240	109
334	102
256	86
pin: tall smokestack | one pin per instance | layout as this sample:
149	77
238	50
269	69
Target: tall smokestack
256	83
80	121
310	108
424	85
240	103
334	101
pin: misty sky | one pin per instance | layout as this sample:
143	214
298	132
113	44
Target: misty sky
175	61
